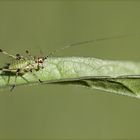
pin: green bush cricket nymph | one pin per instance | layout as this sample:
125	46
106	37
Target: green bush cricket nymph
22	65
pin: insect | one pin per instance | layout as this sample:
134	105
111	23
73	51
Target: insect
22	65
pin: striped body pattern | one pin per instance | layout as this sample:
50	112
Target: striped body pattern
23	65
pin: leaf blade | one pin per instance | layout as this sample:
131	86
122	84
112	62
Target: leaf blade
121	77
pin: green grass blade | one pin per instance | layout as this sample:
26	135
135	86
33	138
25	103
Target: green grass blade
121	77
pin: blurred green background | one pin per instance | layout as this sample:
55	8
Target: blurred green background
53	111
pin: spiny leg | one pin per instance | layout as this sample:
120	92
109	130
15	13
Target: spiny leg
29	55
5	53
8	80
36	76
17	73
25	79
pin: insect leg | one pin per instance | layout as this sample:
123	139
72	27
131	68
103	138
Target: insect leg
8	80
17	73
19	57
5	53
30	56
36	76
7	70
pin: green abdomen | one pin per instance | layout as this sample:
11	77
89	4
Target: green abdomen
20	64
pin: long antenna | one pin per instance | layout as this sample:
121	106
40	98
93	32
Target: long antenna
91	41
